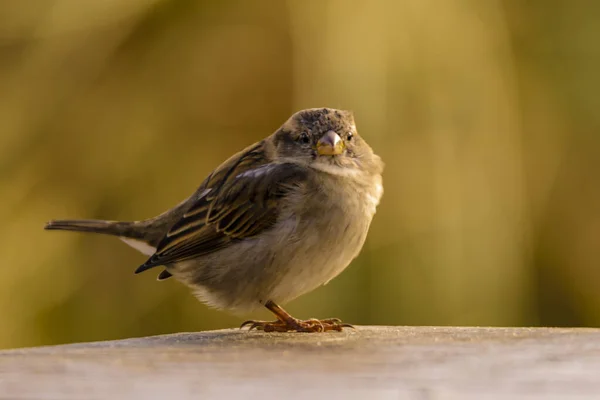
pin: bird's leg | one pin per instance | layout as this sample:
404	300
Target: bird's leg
286	323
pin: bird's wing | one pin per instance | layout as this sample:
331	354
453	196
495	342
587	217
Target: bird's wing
239	200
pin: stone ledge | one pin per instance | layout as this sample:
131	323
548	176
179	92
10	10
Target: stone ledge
369	362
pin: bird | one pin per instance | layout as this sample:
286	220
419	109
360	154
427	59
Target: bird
275	221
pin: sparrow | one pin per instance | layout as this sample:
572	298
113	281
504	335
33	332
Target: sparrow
274	221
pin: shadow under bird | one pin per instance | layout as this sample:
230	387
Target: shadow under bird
274	221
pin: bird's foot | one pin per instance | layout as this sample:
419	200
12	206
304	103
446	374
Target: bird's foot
296	325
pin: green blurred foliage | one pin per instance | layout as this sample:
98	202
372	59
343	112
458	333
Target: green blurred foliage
486	114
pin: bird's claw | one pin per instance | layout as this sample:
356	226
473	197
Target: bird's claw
294	325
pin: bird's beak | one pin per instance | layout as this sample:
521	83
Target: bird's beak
330	144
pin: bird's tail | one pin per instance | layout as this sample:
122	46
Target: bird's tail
115	228
143	236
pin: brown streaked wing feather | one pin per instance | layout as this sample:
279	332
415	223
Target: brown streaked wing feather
164	275
241	203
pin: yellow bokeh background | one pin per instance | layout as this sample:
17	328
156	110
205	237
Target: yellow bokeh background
486	113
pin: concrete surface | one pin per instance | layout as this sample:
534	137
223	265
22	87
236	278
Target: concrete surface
366	363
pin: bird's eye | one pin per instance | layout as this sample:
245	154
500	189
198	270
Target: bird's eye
304	138
349	136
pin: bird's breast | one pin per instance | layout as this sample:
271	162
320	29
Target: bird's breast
326	233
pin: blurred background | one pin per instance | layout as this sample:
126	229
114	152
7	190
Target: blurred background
486	113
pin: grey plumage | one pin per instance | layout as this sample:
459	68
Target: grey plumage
275	221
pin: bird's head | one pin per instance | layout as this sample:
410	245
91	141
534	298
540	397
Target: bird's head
326	139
